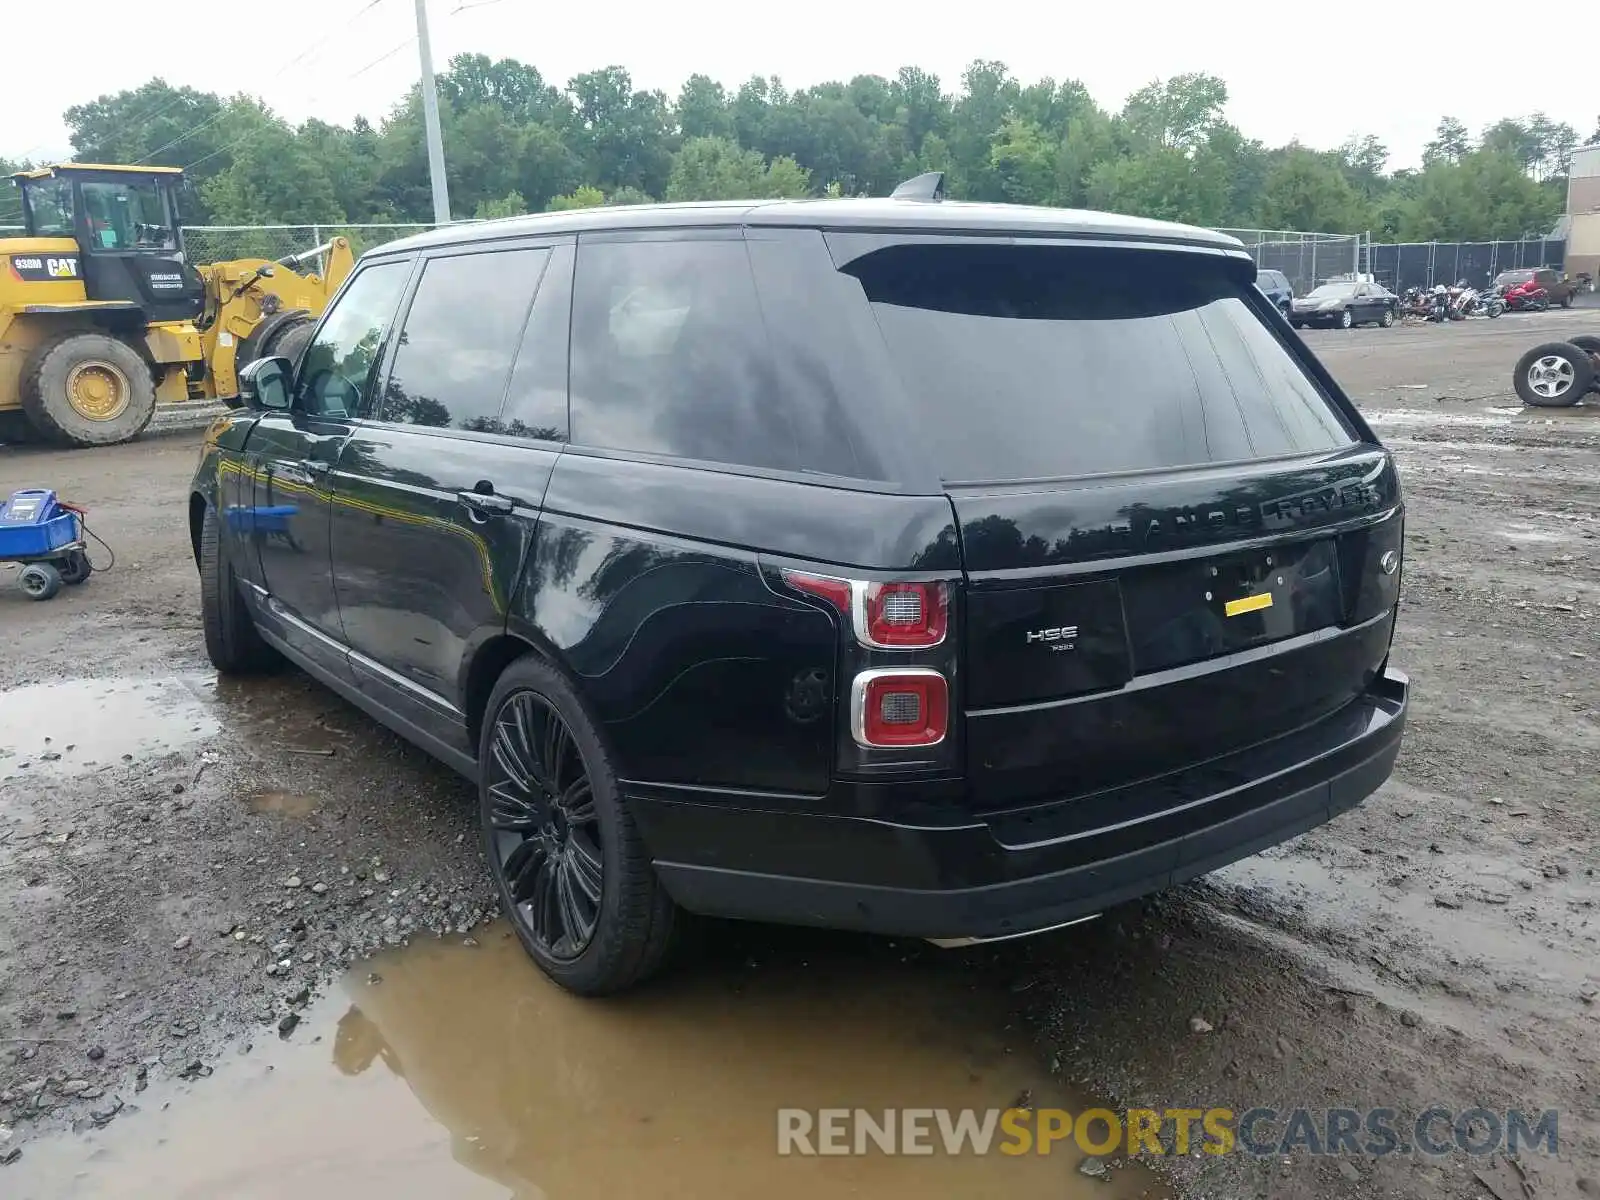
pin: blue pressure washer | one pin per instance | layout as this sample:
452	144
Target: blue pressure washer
46	536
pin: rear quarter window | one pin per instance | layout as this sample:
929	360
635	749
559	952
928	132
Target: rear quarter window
1034	362
676	353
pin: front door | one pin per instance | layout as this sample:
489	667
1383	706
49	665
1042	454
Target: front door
291	458
439	489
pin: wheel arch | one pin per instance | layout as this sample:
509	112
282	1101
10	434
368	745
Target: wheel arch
197	519
490	661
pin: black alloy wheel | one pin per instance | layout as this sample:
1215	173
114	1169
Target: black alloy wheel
544	828
573	873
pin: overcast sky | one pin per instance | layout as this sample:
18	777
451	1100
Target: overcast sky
1311	72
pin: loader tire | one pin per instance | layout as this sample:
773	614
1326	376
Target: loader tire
291	343
88	389
263	340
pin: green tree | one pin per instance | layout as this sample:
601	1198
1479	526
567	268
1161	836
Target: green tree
1450	142
1023	163
988	96
703	109
510	205
584	197
269	178
1307	190
629	195
716	169
1177	113
1091	139
625	135
155	123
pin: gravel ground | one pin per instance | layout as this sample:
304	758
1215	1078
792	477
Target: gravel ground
184	860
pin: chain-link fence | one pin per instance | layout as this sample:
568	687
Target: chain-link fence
1306	259
1403	265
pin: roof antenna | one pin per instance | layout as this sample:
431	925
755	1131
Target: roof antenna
928	186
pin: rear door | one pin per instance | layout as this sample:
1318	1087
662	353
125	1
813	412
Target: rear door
439	487
1168	523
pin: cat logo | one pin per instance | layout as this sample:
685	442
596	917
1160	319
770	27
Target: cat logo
37	268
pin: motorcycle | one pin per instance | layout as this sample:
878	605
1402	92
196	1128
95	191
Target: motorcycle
1467	301
1527	299
1491	303
1439	305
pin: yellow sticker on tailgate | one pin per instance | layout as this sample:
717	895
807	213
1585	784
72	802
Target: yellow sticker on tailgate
1247	604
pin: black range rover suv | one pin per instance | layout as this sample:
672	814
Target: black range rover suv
932	569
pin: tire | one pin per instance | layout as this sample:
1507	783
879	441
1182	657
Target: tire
1387	320
1590	345
117	390
233	644
75	568
1347	319
1554	375
1566	301
292	343
1495	310
40	581
529	838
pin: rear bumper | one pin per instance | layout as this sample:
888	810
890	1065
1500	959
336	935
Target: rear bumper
1030	869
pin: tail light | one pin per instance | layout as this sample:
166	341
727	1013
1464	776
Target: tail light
904	706
884	616
897	666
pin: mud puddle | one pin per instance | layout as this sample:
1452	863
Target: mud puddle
449	1069
83	725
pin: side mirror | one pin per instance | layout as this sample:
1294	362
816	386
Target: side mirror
264	384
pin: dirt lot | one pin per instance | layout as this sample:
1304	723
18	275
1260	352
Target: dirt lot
186	865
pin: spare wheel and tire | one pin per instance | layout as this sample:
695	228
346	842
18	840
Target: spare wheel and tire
88	389
1554	375
1590	345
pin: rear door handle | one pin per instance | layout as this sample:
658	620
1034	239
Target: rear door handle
487	503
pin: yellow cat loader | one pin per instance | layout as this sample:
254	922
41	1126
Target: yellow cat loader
102	317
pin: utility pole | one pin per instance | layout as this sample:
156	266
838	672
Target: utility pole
430	121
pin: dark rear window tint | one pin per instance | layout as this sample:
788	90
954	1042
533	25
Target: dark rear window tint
676	353
1039	362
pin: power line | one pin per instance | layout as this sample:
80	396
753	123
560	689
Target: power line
241	140
386	55
300	57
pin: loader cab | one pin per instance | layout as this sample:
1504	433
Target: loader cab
125	223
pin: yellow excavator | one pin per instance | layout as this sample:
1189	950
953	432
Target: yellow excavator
102	317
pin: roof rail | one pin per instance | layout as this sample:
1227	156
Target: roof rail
928	186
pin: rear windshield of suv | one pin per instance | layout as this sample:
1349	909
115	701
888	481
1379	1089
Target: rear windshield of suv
1036	362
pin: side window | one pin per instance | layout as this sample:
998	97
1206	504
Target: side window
670	355
454	353
536	400
335	367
